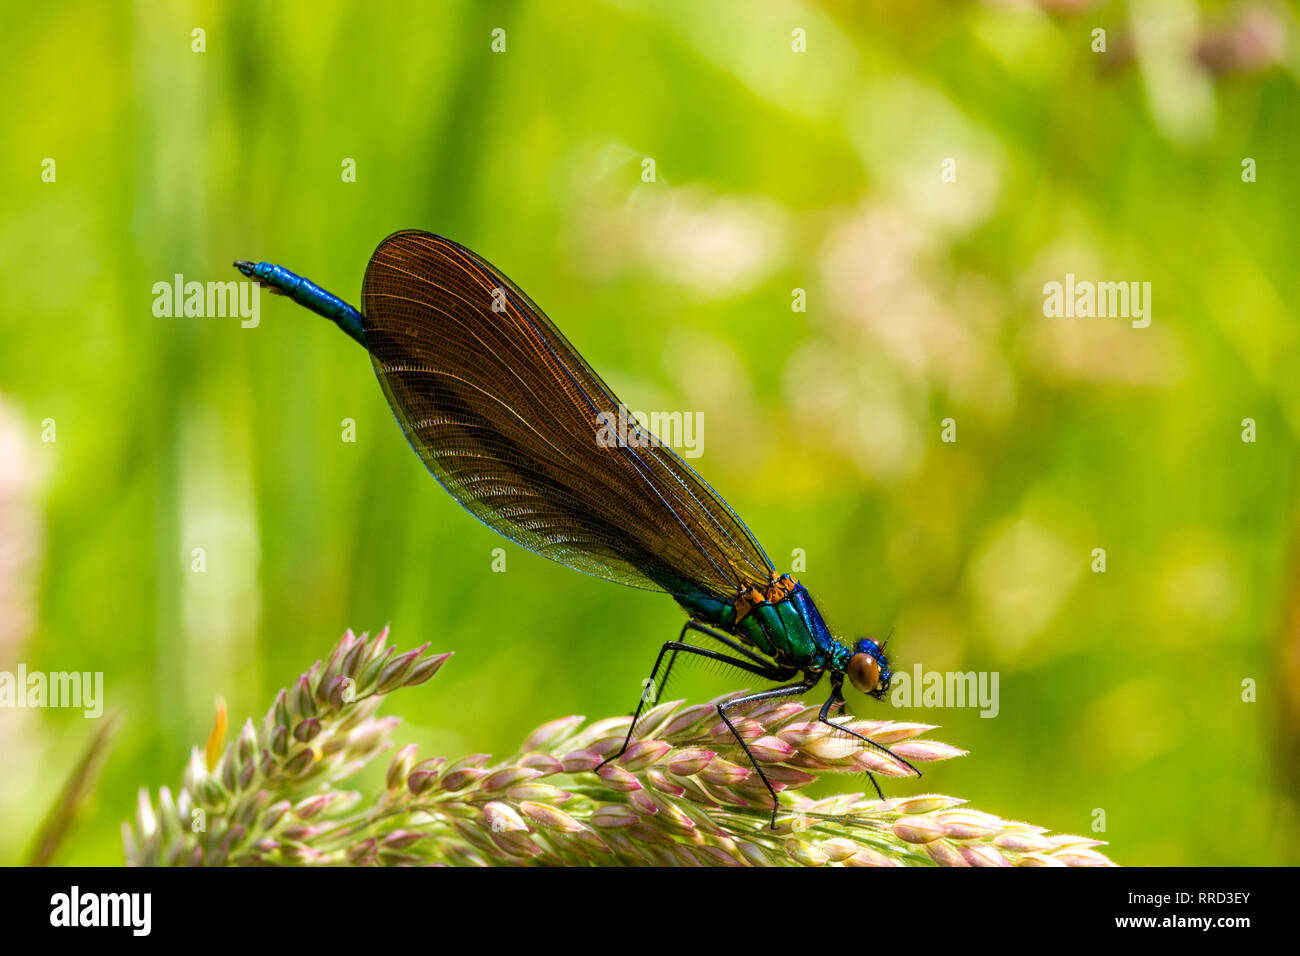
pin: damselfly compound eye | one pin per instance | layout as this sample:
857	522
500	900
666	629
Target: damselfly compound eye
864	672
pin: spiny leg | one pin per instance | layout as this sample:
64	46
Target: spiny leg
725	639
838	698
790	690
767	672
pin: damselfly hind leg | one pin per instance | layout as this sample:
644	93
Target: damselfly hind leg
775	672
726	639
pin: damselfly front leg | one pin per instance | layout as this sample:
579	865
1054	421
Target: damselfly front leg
837	697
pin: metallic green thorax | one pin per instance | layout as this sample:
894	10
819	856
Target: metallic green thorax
791	631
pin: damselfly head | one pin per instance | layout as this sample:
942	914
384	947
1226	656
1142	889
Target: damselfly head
868	668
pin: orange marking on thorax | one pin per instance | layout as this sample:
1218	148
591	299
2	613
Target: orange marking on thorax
775	591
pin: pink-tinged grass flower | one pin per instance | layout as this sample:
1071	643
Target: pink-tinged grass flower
682	794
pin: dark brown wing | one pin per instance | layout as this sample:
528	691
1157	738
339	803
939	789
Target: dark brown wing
504	412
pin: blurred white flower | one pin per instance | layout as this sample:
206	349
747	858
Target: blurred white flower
22	537
715	246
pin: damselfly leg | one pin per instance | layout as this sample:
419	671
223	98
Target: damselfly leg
754	665
791	690
837	697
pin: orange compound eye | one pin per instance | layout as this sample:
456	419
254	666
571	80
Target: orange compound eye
864	672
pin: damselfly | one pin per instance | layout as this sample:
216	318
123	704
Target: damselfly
514	423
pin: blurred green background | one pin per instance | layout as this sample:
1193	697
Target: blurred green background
775	170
